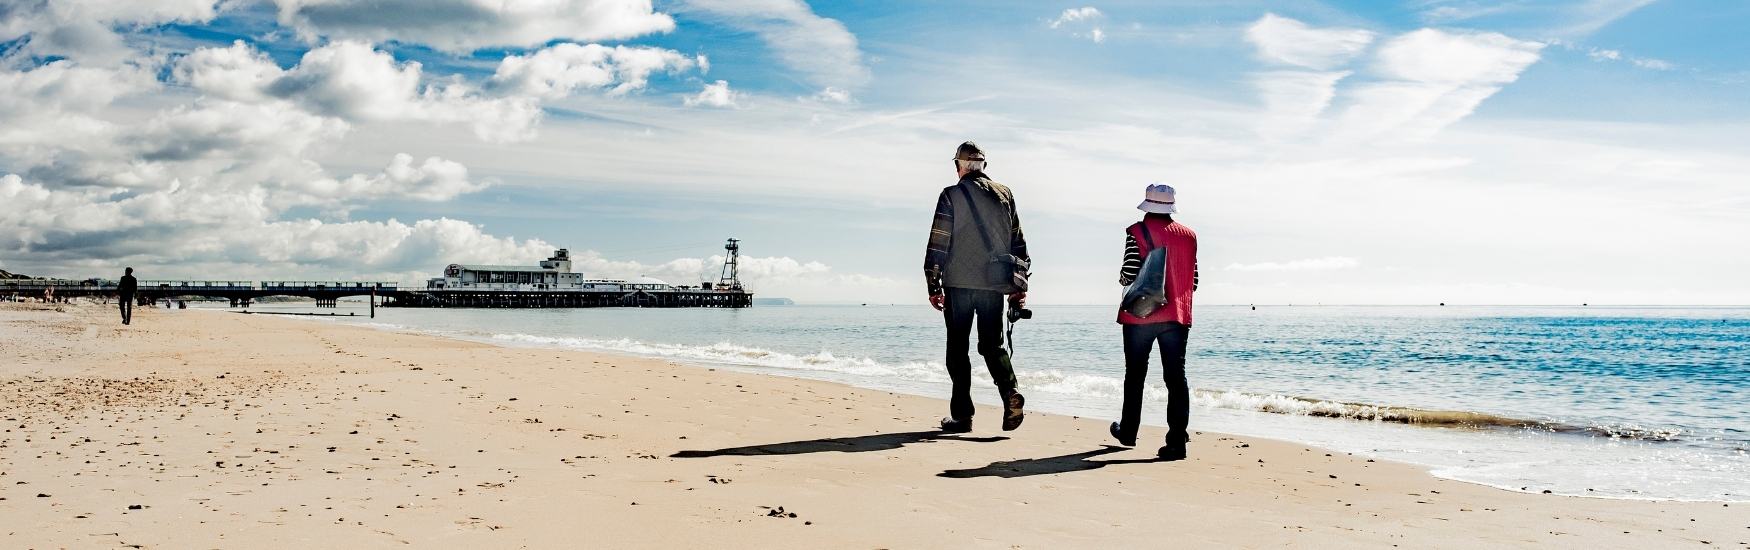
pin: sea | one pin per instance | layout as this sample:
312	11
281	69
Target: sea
1608	402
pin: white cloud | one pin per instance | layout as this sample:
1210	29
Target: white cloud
212	138
1286	41
1083	17
1605	55
63	85
772	275
716	94
191	234
822	49
1311	264
1294	99
1451	13
207	182
237	72
1435	56
1590	15
355	82
352	80
434	180
830	94
85	30
1654	64
557	71
1072	15
1432	79
466	25
1568	20
202	180
423	246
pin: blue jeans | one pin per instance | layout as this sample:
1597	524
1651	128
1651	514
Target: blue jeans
1139	341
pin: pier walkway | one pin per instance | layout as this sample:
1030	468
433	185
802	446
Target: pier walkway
241	293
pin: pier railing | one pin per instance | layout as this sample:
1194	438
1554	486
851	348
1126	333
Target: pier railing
195	286
24	285
329	285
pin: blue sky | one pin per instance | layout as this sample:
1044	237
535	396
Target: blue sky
1328	152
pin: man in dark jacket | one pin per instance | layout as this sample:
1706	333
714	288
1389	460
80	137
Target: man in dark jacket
956	267
124	291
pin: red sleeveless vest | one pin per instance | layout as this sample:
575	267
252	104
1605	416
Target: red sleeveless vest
1181	243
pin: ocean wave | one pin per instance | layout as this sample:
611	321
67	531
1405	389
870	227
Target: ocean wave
733	354
1088	386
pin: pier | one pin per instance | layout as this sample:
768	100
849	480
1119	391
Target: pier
388	294
240	293
549	284
673	297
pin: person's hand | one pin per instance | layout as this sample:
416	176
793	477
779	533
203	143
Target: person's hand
1018	299
938	301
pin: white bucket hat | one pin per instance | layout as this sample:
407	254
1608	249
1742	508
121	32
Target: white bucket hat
1158	200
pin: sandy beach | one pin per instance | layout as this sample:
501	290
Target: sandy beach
214	429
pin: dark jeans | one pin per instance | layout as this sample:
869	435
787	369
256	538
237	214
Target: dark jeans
964	305
1138	341
127	302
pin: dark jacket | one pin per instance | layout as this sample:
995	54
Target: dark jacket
127	285
956	256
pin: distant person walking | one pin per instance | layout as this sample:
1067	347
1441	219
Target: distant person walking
975	226
124	292
1167	327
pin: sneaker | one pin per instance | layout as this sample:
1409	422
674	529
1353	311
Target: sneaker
1119	435
950	425
1013	413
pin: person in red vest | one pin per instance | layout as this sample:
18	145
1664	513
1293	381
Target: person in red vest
1168	327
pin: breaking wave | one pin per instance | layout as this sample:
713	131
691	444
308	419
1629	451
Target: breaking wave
1083	385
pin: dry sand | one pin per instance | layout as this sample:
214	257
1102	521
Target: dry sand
211	429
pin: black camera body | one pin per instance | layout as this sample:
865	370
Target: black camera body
1019	313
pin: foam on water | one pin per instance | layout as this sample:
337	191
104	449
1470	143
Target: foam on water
1082	385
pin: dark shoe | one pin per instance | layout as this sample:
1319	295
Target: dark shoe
1012	411
1172	451
1119	435
950	425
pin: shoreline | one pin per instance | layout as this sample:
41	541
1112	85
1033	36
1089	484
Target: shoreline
1439	427
1353	415
550	428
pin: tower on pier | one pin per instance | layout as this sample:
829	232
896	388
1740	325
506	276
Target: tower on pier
731	278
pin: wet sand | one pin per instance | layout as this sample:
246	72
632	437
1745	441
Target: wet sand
212	429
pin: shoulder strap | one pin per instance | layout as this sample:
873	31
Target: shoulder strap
1147	236
977	219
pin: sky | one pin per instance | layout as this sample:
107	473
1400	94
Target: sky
1335	152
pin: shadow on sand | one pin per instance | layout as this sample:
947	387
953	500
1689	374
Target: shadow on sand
1077	462
859	444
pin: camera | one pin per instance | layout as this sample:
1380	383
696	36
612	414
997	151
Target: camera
1019	313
